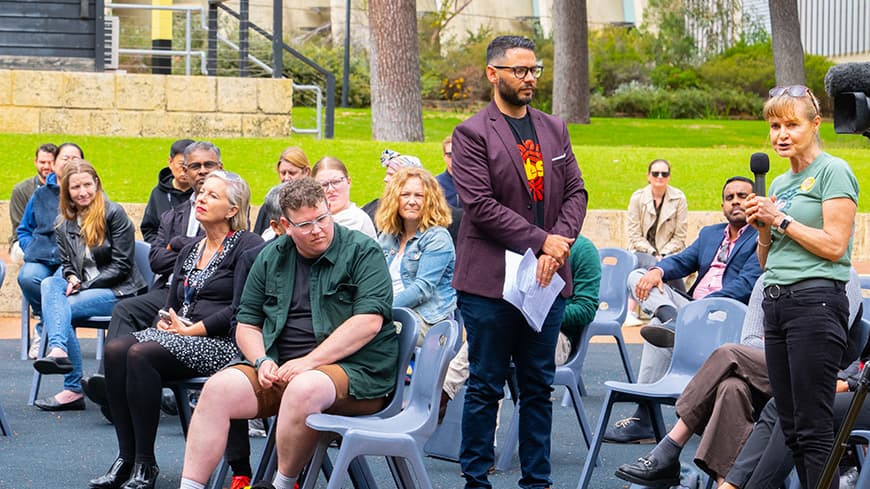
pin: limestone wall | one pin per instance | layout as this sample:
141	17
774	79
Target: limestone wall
605	228
122	104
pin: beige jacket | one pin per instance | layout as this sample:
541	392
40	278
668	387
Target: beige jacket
672	226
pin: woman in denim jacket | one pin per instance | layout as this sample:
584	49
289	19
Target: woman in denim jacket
413	217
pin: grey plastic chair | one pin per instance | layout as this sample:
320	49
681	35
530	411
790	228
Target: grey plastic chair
5	429
616	265
100	323
360	473
401	436
701	327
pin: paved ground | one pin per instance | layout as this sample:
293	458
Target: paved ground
65	450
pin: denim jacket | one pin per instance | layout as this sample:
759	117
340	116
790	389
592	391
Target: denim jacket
427	272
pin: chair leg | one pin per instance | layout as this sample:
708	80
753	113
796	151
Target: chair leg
5	429
506	452
314	466
37	377
219	475
416	461
580	412
25	328
263	469
595	447
401	475
626	364
182	401
101	342
360	474
341	466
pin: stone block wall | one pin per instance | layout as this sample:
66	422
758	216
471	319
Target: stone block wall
123	104
606	228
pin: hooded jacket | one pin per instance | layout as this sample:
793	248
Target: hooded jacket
163	197
36	231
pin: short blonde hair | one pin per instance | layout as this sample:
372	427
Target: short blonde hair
238	195
433	212
785	106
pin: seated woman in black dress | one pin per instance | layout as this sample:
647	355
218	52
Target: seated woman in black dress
193	341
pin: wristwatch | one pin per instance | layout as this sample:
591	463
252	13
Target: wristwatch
784	224
260	361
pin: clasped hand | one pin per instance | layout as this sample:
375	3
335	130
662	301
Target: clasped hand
555	251
270	373
761	211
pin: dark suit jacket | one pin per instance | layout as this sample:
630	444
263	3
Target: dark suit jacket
173	232
498	213
741	269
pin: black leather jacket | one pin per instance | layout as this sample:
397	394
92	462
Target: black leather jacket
115	257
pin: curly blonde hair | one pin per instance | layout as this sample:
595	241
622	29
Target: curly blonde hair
433	212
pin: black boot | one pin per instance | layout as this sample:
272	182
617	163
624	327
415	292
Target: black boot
143	477
118	473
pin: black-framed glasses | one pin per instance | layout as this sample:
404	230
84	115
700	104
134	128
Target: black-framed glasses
521	72
662	174
208	165
796	91
334	183
307	227
724	250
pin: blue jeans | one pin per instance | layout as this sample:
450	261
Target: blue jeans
498	333
30	276
58	313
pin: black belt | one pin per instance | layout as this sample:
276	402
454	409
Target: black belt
776	291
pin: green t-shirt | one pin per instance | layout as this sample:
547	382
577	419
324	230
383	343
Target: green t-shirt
800	195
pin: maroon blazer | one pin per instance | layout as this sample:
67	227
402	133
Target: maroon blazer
492	185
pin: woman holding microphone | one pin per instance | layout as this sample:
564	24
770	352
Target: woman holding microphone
805	233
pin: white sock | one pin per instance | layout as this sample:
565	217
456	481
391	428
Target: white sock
282	481
189	484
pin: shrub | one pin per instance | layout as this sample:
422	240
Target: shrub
617	57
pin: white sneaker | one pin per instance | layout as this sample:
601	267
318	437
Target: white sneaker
632	320
33	352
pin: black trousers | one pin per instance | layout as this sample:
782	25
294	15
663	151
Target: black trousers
804	339
765	460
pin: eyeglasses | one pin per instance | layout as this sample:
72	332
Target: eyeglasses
522	71
723	252
307	227
196	166
662	174
448	153
334	183
796	91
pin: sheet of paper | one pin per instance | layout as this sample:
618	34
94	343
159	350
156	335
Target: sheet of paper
522	290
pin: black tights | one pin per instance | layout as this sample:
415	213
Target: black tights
135	373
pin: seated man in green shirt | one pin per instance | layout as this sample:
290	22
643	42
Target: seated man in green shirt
315	326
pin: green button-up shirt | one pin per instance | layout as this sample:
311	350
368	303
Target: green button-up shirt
350	278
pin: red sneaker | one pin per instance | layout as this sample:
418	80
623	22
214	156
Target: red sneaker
240	482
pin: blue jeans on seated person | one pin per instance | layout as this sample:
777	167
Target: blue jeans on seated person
497	332
60	310
30	276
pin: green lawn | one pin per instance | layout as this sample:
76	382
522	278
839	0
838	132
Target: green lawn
612	153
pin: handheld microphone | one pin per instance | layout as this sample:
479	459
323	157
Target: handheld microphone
759	164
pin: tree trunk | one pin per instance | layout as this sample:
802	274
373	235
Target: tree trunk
397	106
571	61
788	51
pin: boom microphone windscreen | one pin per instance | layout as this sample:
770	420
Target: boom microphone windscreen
848	77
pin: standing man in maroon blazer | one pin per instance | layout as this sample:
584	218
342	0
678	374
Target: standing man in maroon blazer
521	189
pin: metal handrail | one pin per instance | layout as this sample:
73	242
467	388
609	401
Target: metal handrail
187	53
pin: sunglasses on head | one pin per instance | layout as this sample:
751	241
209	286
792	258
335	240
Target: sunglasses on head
796	91
662	174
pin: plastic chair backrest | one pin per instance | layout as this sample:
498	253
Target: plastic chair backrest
702	326
616	264
407	342
142	262
429	373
